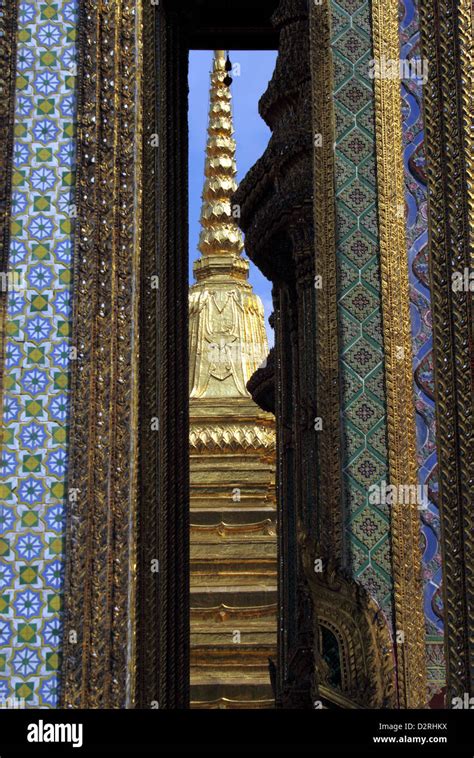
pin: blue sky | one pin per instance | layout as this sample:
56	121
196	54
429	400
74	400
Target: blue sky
251	135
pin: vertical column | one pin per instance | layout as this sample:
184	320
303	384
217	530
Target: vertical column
35	328
401	433
98	668
163	514
446	41
327	392
307	425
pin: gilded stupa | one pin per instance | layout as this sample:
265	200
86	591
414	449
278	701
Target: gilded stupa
232	448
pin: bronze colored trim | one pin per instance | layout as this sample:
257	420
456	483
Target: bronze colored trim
163	530
401	434
446	40
101	496
131	690
148	640
330	532
8	36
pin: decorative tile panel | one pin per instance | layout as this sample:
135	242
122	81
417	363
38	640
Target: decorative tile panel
38	353
362	370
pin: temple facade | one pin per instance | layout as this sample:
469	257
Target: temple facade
232	448
170	508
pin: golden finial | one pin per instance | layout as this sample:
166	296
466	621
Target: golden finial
220	241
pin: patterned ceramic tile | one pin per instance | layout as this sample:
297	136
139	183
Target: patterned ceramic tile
365	454
34	451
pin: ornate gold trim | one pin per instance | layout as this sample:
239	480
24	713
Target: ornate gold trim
8	37
466	70
446	41
131	692
102	477
147	549
228	436
365	645
405	519
327	336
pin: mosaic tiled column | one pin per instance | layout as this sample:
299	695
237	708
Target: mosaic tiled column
37	354
363	401
378	412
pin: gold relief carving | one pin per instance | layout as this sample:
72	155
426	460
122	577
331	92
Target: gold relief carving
217	570
8	37
227	337
231	437
465	398
405	519
98	636
257	656
365	645
327	335
446	44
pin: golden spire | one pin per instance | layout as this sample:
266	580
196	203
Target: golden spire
220	241
227	337
232	441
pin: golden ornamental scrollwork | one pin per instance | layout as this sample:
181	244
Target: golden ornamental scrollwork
208	436
97	670
405	519
327	334
365	646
